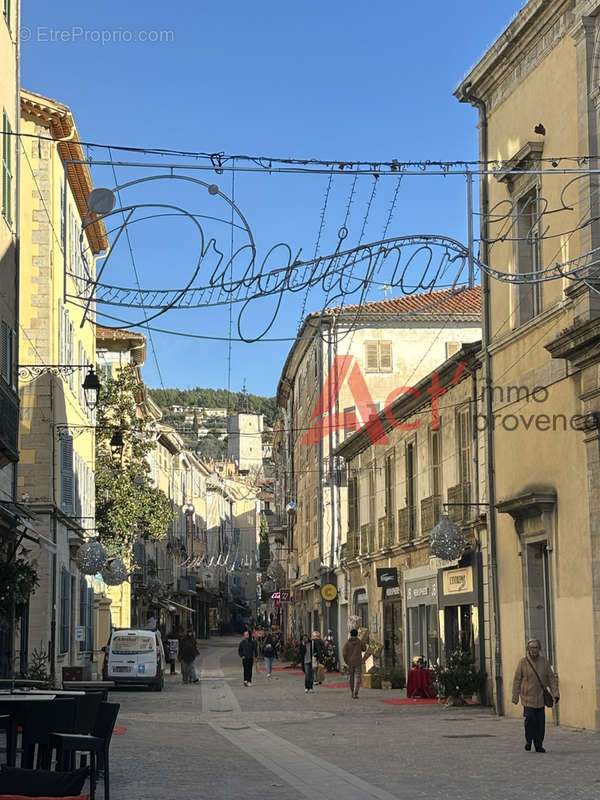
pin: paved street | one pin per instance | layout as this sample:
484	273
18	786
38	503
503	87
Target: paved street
218	739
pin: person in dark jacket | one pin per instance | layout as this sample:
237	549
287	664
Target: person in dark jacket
353	656
532	676
188	650
307	662
247	651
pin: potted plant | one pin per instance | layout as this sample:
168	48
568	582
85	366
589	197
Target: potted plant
458	679
397	678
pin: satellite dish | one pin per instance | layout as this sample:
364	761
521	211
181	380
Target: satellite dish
101	201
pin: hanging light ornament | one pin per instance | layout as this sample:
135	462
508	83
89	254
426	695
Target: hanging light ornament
446	540
276	571
91	557
115	573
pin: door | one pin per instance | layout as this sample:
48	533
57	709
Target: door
392	634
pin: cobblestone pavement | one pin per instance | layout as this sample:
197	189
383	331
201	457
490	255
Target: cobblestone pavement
218	739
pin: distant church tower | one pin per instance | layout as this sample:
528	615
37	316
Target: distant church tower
244	436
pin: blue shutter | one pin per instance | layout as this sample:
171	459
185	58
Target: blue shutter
83	613
90	625
65	610
66	473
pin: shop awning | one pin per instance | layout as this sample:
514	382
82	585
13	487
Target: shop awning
180	605
17	516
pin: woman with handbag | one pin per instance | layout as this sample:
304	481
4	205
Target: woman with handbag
537	686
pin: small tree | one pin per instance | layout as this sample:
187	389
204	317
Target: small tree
458	678
127	502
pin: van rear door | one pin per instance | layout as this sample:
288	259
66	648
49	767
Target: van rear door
132	655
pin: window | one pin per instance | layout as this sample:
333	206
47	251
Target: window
435	462
378	357
7	145
353	516
390	500
65	610
411	487
527	256
538	597
372	494
8	341
464	446
452	348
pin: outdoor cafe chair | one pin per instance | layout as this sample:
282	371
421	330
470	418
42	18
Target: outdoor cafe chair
97	744
41	720
5	725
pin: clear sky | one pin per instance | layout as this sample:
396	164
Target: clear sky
341	81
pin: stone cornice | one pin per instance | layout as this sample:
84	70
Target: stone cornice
519	49
579	344
529	504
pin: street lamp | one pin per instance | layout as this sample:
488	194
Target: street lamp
117	443
91	389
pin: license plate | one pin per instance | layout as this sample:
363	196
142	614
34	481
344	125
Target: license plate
121	669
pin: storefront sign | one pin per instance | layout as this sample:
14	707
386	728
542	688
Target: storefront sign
329	592
458	581
421	592
393	591
284	595
80	633
387	576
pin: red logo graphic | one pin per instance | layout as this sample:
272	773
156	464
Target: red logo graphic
325	419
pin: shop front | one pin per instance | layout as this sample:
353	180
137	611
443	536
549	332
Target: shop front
422	624
391	601
461	608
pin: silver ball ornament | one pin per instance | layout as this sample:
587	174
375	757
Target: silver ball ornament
115	572
91	557
446	540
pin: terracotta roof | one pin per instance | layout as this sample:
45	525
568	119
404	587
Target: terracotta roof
443	301
58	118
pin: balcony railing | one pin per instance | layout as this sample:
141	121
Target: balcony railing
431	508
353	544
459	498
404	528
381	532
390	531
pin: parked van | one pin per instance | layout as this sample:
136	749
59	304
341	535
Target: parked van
135	657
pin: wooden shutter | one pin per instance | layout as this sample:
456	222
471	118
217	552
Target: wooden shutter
66	473
385	356
371	357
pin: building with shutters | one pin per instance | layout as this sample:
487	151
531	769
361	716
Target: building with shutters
56	477
535	95
348	361
12	639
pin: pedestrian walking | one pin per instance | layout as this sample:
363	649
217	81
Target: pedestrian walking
306	661
269	654
188	650
319	657
247	651
352	654
537	686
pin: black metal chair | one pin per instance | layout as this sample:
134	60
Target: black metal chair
6	726
41	720
97	744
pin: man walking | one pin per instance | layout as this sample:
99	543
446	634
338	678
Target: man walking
352	654
247	651
306	662
532	676
188	650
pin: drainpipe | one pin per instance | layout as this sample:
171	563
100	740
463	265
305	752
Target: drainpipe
469	97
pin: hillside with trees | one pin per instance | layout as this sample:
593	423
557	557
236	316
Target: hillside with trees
216	398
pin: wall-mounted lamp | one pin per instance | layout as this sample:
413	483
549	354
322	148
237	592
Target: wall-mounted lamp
117	443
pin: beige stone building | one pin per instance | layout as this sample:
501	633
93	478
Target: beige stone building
427	462
11	640
353	363
537	91
57	444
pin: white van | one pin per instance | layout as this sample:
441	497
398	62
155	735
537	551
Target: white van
135	657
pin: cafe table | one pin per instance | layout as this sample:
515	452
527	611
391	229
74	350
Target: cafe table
419	683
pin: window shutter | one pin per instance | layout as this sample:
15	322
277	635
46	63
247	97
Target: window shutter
452	348
385	356
4	345
90	624
371	356
66	473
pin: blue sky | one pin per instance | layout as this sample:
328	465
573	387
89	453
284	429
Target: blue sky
340	81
